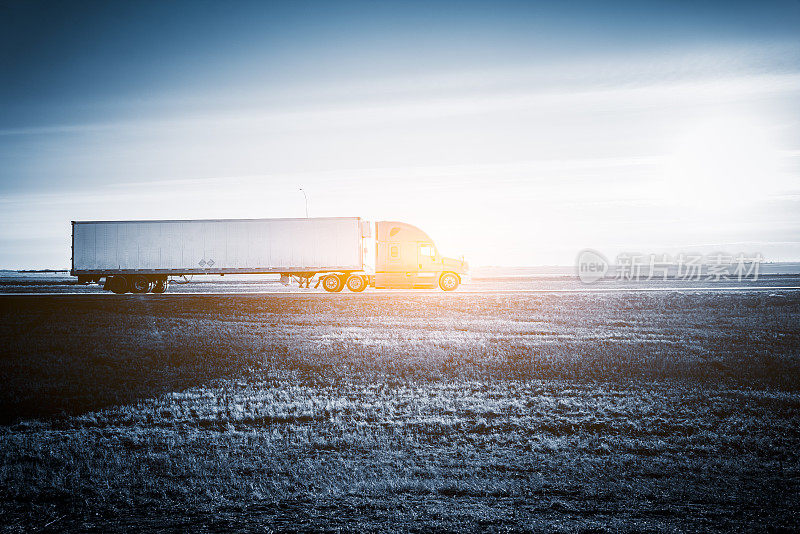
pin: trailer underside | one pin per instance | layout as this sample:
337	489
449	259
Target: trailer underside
332	281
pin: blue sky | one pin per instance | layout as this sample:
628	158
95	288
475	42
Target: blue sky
514	132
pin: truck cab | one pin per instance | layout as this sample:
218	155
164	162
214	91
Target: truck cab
406	257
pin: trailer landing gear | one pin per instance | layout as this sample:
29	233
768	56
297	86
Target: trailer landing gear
160	285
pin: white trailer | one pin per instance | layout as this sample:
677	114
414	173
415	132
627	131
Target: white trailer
140	256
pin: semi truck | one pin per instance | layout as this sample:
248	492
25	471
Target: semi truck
143	256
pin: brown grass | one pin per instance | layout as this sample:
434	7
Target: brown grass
571	412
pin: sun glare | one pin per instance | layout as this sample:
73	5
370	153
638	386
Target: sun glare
720	164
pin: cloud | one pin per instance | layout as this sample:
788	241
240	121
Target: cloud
519	165
673	93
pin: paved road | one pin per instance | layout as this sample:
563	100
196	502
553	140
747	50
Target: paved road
718	289
40	284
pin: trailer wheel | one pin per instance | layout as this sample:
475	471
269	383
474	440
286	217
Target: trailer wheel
160	286
119	284
448	282
140	284
356	283
333	283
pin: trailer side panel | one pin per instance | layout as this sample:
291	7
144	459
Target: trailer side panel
218	246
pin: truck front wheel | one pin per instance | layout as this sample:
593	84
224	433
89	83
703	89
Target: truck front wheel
333	283
449	282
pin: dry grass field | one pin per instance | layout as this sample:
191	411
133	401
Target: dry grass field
669	411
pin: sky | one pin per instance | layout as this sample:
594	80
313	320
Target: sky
515	133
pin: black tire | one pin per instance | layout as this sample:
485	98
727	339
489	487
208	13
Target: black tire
356	283
119	285
160	286
449	281
333	283
140	284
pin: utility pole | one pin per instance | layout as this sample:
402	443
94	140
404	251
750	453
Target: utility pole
305	197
